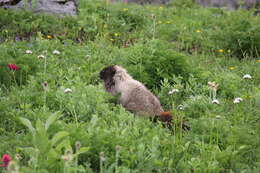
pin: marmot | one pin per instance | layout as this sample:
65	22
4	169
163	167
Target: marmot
135	97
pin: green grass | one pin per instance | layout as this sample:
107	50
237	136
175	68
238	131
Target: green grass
179	46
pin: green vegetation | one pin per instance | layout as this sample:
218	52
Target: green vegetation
45	127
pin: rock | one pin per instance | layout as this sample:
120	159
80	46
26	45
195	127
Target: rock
143	1
64	7
231	4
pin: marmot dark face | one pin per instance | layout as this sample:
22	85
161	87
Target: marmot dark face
107	75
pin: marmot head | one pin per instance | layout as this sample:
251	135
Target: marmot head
108	73
114	72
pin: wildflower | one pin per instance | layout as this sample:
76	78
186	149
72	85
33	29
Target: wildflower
173	91
221	50
28	52
237	100
49	36
247	76
213	85
116	34
78	145
231	68
87	56
41	56
215	101
13	67
102	156
56	52
180	107
5	159
67	90
118	147
45	86
198	31
18	157
66	157
218	116
125	9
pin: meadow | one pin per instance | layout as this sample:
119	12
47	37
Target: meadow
202	63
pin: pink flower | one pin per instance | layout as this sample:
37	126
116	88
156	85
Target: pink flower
5	159
13	67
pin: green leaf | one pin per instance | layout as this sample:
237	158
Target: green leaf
82	150
51	119
28	124
58	136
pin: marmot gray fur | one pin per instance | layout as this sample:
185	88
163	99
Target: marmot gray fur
135	97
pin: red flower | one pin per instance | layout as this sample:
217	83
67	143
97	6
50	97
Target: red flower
13	67
5	159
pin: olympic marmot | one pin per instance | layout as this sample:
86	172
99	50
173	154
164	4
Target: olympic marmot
135	97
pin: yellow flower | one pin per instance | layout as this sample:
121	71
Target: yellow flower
116	34
161	7
159	22
221	50
125	9
198	31
49	36
231	68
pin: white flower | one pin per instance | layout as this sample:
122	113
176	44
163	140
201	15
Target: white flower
56	52
180	107
218	116
41	56
28	51
237	100
213	85
87	56
247	76
67	90
173	91
45	86
215	101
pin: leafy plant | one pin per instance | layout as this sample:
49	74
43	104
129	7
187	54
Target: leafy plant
50	151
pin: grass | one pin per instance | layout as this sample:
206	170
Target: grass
178	46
